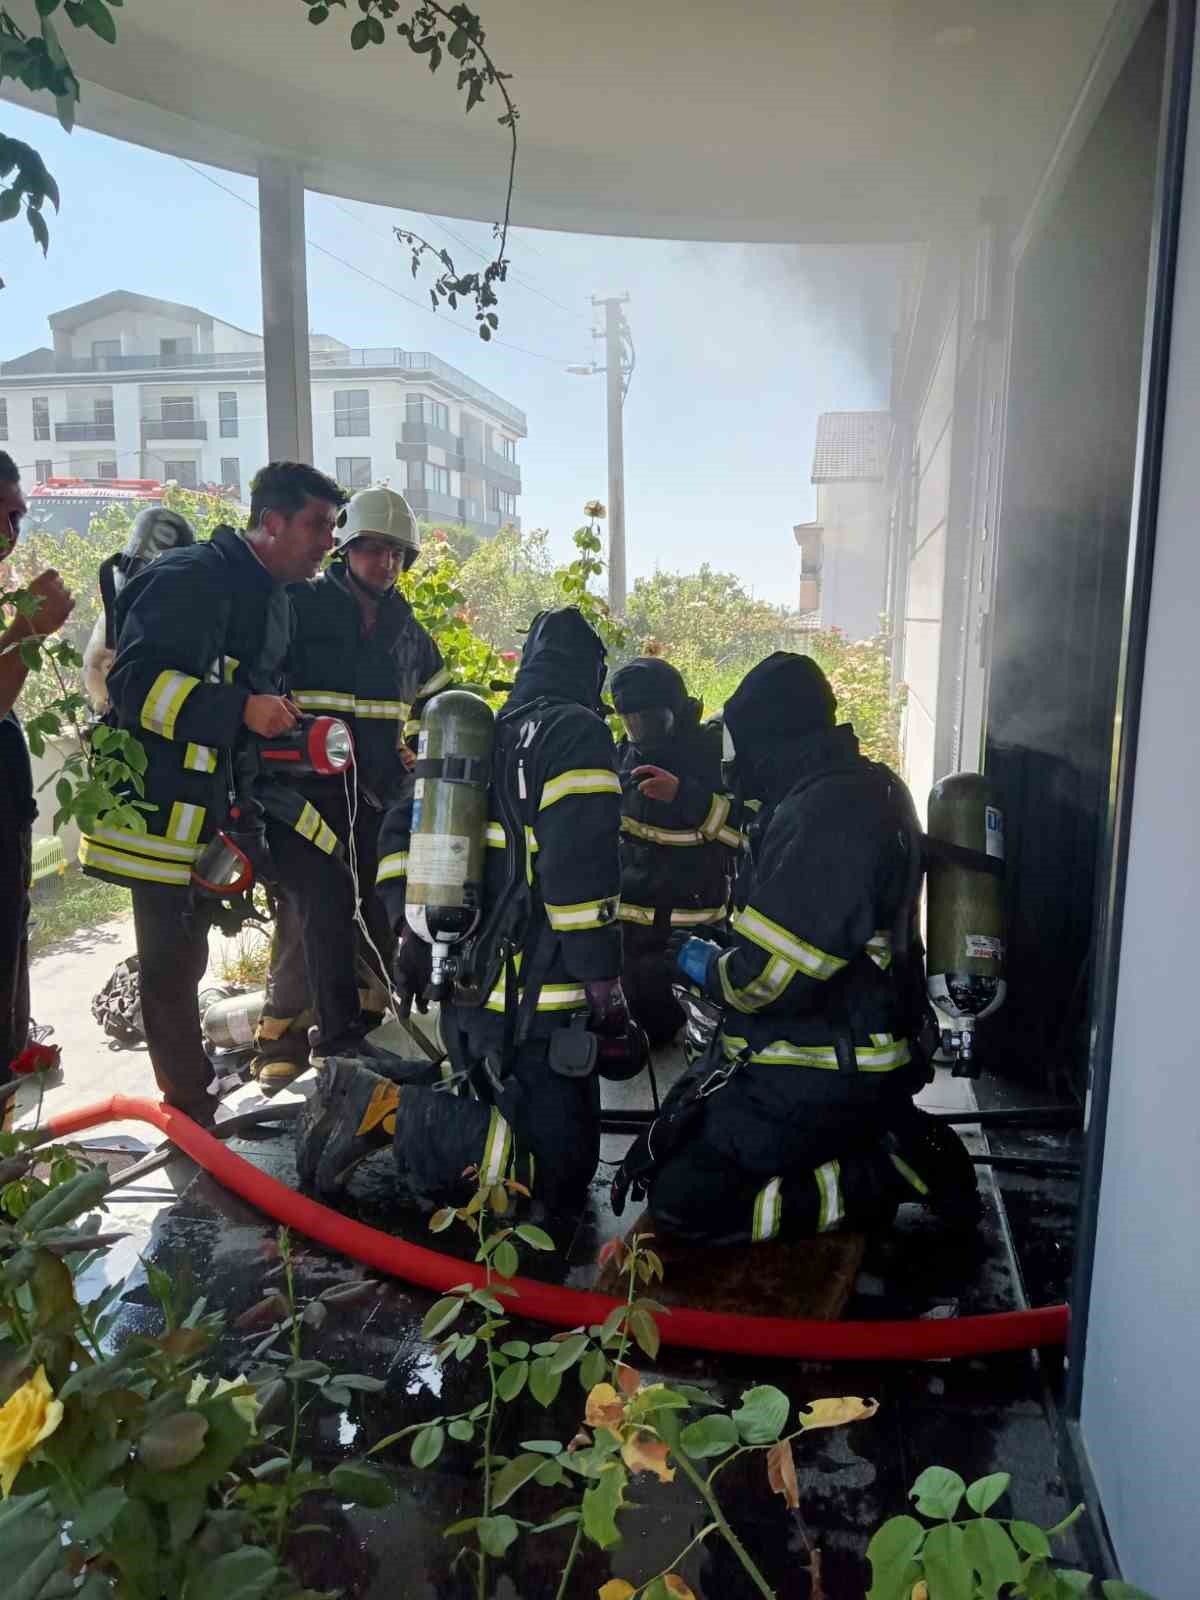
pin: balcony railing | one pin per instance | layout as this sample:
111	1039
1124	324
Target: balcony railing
71	432
418	362
154	429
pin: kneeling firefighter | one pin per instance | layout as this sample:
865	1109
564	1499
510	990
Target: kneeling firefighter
676	840
358	653
801	1117
531	998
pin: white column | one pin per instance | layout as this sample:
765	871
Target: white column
285	311
127	428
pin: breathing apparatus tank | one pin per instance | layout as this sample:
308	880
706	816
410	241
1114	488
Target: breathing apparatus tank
228	1021
444	897
155	531
964	908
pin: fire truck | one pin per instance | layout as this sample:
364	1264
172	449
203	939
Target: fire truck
62	503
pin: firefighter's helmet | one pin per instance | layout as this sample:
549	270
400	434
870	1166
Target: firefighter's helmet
381	514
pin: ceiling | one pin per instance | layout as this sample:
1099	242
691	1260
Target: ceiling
765	120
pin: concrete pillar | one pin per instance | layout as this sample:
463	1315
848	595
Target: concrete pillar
285	311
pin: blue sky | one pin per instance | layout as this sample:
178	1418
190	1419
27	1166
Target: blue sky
740	347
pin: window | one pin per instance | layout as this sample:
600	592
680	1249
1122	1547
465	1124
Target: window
103	350
41	418
508	449
428	475
351	412
174	347
42	470
106	469
354	472
504	502
102	413
178	408
227	407
419	408
183	473
3	419
231	474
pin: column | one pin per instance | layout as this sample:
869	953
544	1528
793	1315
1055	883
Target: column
285	311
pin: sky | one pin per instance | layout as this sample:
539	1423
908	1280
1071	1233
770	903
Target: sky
739	347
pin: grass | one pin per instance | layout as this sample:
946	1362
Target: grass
63	906
246	962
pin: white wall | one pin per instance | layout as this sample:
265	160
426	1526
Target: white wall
1140	1416
139	333
854	517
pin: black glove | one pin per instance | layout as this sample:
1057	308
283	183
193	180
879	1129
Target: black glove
412	971
609	1012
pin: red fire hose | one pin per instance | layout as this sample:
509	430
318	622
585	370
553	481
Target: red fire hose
572	1308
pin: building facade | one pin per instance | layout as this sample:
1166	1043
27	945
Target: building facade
844	550
134	387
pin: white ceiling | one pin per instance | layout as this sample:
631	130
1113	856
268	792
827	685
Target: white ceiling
764	119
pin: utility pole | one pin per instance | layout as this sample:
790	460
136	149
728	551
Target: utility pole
615	335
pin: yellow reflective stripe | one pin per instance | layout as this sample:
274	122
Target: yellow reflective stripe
185	823
146	844
439	680
586	914
165	701
392	866
497	1149
871	1058
231	665
768	1211
138	868
829	1187
311	825
531	845
580	780
385	710
909	1175
760	991
323	700
731	837
769	936
410	728
494	838
644	916
552	997
200	758
667	836
752	805
718	814
879	948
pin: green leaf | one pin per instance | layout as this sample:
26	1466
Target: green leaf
510	1478
762	1415
98	1513
174	1441
427	1445
376	30
592	1369
68	1201
306	1371
495	1534
512	1380
1031	1539
543	1447
318	14
1071	1580
535	1238
517	1348
710	1436
47	8
938	1493
1118	1589
984	1492
892	1554
248	1573
645	1331
360	35
96	16
456	45
440	1220
568	1352
947	1570
362	1485
601	1502
505	1260
461	1430
551	1475
992	1554
359	1381
441	1315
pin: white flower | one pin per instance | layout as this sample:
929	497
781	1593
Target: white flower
247	1406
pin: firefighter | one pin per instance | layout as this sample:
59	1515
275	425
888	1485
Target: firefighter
201	640
17	806
552	882
360	654
675	834
802	1118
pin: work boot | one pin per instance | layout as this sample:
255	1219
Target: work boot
385	1063
932	1166
280	1052
350	1115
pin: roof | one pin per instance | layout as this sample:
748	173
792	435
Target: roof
126	300
851	447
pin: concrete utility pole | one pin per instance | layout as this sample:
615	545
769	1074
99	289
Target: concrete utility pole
615	333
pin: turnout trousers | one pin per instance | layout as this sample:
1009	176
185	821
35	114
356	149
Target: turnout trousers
16	856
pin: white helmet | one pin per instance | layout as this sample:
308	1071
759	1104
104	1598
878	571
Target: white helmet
383	514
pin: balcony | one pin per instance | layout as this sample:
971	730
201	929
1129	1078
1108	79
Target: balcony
430	503
158	429
425	433
502	471
73	432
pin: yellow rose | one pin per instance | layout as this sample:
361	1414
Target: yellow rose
26	1418
247	1406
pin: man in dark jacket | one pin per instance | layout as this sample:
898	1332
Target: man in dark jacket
676	841
808	1121
17	807
552	881
202	637
360	654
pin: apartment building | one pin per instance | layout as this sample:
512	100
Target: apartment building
134	387
844	550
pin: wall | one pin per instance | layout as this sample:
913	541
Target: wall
1140	1418
139	333
853	517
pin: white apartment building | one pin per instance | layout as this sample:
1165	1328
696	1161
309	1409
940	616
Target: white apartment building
134	387
844	550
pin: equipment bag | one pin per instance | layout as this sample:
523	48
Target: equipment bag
118	1006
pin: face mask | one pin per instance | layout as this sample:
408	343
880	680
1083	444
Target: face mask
650	727
729	767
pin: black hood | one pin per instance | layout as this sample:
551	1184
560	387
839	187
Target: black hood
563	659
646	682
782	702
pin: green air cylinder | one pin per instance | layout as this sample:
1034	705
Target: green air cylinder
964	903
228	1020
444	897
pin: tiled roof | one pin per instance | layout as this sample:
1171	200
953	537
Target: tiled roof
851	447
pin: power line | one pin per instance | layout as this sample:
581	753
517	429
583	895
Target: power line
538	355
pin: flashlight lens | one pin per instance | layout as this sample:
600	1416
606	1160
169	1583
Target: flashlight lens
339	747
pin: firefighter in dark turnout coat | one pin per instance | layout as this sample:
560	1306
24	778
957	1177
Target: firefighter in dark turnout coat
357	653
534	1114
808	1123
676	838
